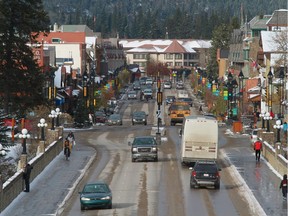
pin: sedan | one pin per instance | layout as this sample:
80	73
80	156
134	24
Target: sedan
100	117
167	85
139	117
114	119
96	195
187	100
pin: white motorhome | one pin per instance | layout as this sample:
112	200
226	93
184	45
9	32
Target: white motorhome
199	139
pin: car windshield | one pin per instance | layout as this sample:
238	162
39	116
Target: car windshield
144	141
179	107
205	167
139	114
132	92
95	188
148	90
99	114
114	117
185	99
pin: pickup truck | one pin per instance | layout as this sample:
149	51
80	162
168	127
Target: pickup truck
144	147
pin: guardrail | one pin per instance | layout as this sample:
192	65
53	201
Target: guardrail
14	185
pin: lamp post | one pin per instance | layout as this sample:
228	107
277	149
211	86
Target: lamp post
281	77
24	135
52	115
42	124
278	126
241	78
270	77
262	115
268	118
58	113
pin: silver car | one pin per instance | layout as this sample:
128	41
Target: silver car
132	95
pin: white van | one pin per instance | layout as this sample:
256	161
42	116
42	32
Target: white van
199	139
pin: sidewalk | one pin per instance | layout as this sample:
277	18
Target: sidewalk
53	185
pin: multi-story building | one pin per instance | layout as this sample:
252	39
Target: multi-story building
173	53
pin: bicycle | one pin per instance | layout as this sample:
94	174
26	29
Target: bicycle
67	153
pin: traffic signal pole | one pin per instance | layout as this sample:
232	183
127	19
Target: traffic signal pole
158	113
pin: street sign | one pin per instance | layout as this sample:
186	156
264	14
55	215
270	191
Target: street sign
158	113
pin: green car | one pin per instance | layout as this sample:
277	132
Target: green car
96	195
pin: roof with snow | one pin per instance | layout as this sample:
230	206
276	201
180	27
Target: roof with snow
164	46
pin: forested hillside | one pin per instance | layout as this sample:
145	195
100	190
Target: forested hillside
153	18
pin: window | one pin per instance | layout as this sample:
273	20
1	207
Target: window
178	64
139	56
141	64
56	40
168	56
178	56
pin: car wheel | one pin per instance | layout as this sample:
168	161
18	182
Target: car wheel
145	123
109	206
156	159
217	186
133	160
132	123
82	207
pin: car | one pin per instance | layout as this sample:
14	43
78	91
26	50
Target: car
136	86
148	93
205	173
187	100
139	117
114	119
179	85
144	147
149	81
167	85
142	80
132	95
170	99
96	195
100	117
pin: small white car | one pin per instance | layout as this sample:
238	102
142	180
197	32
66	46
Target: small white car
254	135
132	95
167	85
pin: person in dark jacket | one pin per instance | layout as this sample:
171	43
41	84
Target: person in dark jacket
283	186
26	177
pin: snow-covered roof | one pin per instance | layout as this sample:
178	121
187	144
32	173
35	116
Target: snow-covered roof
269	41
161	46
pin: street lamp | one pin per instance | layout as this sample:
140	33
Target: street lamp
24	134
52	115
58	113
2	151
278	126
262	115
270	77
268	118
281	77
42	124
241	78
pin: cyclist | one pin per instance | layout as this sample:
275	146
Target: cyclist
71	138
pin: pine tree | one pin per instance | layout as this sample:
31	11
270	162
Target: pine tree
21	79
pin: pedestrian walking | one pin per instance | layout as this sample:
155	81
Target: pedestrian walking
257	149
200	108
26	177
283	186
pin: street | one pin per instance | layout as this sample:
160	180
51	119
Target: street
156	188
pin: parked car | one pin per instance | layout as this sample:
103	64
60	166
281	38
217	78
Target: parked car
167	85
96	195
144	147
139	117
170	99
114	119
205	173
187	100
100	117
132	95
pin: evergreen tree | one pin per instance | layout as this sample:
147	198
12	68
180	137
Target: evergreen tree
21	78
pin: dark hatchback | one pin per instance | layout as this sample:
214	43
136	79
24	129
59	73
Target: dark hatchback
205	173
100	117
170	99
139	117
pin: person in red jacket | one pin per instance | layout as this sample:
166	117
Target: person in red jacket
258	148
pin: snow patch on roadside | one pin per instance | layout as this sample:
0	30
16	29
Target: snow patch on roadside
244	190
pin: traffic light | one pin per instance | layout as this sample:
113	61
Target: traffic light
230	94
159	97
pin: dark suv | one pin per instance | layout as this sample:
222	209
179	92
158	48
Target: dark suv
205	173
139	117
144	147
